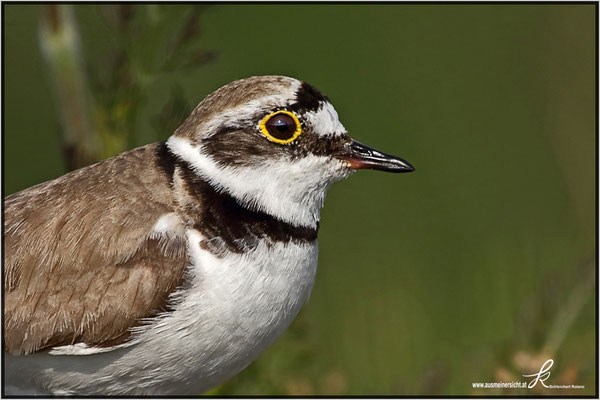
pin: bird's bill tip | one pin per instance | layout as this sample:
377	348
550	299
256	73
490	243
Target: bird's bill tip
360	156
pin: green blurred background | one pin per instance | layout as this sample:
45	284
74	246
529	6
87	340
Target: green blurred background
476	268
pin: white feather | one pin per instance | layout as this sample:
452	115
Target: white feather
78	349
325	120
167	225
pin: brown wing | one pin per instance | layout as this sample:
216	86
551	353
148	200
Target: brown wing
79	262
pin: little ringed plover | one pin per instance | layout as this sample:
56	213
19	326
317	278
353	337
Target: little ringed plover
171	267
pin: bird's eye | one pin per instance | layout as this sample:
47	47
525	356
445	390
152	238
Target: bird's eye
281	127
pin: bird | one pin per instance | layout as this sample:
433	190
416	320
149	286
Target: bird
168	269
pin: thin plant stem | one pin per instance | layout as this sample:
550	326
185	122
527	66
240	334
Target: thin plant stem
59	40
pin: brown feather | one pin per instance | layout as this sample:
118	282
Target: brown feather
79	262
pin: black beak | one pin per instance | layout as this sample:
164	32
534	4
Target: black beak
360	156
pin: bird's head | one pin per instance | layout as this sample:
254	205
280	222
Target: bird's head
275	144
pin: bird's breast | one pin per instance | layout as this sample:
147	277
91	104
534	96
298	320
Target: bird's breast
234	306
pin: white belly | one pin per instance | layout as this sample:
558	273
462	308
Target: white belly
232	309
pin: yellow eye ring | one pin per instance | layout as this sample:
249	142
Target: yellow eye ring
281	127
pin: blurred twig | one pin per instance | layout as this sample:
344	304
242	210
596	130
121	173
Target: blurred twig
59	40
571	309
100	105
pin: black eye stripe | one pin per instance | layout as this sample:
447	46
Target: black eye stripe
223	130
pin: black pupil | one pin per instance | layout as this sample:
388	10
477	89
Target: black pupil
281	126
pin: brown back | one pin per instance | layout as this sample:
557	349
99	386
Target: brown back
79	265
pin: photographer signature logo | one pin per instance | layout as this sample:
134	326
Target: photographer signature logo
541	376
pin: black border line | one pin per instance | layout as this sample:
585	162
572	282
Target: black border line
344	2
315	2
597	198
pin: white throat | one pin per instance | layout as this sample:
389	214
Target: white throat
291	190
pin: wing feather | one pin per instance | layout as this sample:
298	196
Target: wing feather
81	263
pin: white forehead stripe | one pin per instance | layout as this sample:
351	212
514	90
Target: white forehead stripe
241	113
325	120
